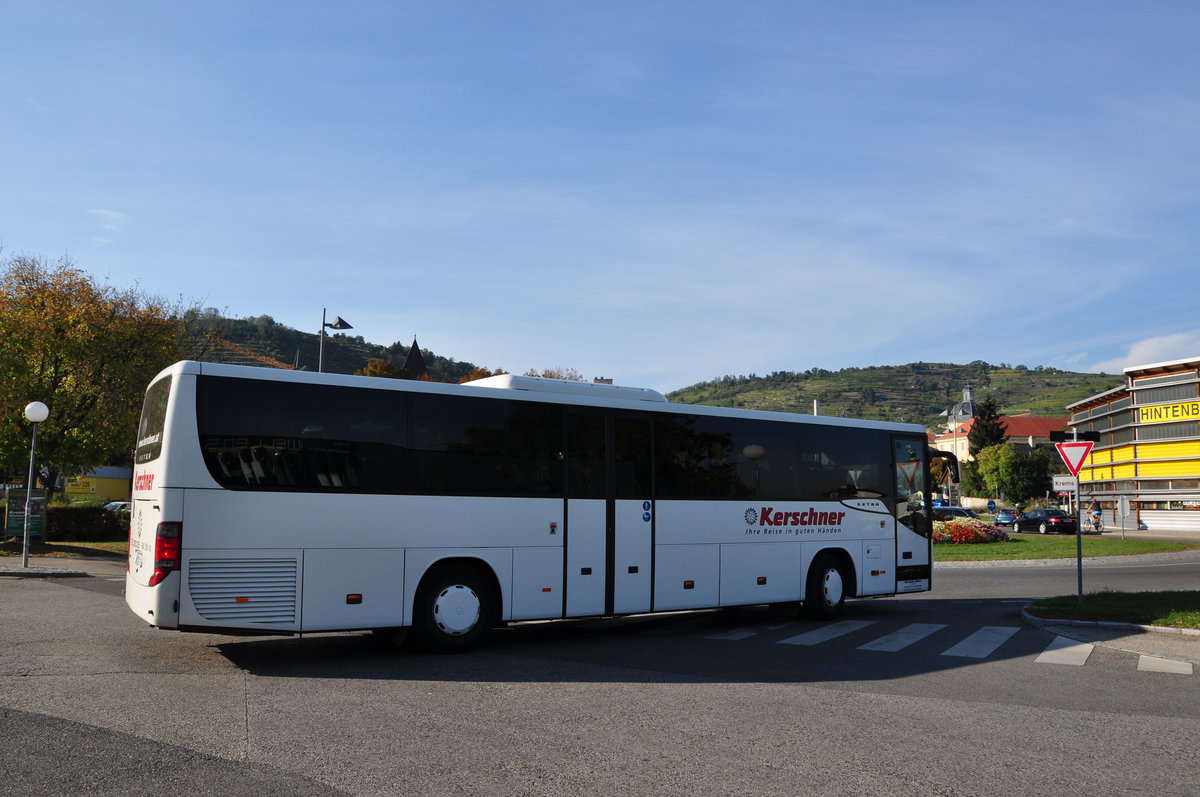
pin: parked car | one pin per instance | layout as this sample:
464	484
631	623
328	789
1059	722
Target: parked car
1045	520
952	512
117	506
1007	517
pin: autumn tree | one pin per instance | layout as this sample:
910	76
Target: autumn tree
481	372
85	349
569	374
382	368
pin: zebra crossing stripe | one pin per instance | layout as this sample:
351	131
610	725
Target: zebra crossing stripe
901	639
826	633
1156	664
979	645
1065	651
736	634
983	642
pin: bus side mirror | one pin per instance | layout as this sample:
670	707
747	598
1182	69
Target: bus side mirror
951	463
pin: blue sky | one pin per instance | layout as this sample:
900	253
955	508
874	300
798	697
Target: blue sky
658	192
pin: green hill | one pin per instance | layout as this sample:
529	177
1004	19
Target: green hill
263	337
917	392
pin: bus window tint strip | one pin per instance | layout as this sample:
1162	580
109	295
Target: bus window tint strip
273	435
265	435
713	457
463	445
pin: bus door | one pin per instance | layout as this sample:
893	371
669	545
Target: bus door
610	514
914	528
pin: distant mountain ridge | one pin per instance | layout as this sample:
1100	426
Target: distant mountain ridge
259	338
917	392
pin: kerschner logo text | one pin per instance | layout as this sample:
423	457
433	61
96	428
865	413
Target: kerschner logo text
769	517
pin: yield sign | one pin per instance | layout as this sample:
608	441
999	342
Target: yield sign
1074	454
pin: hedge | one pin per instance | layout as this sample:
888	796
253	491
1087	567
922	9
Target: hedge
85	524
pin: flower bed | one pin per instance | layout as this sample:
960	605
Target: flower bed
967	531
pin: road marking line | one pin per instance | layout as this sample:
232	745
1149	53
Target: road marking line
736	634
675	627
1063	650
982	643
1156	664
901	639
826	633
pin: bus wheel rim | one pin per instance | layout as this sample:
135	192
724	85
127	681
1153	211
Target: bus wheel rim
833	586
456	610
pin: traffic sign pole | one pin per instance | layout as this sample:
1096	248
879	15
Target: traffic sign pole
1074	454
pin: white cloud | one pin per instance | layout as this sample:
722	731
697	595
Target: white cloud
111	220
1164	348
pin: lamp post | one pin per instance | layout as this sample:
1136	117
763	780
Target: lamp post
755	453
35	413
337	323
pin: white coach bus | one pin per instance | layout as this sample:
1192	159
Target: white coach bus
270	501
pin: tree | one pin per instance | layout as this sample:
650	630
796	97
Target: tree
569	374
994	465
971	484
382	368
1015	473
1033	473
86	350
989	429
481	372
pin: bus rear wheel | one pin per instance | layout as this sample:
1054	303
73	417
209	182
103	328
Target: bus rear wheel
454	611
825	592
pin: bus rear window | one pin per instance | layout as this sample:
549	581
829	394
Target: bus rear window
154	419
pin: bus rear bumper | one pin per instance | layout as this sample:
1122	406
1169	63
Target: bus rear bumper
157	605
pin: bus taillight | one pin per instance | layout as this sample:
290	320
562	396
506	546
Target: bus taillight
167	541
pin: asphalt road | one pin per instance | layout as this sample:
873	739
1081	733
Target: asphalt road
944	693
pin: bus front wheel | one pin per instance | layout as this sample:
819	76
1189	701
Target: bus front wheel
826	589
454	610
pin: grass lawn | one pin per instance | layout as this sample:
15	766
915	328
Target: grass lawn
1058	546
12	547
1178	609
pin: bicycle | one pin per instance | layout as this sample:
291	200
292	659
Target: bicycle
1097	524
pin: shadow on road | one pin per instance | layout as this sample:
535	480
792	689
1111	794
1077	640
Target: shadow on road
745	644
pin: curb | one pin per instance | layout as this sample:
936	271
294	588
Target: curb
1042	622
1188	555
38	571
1160	642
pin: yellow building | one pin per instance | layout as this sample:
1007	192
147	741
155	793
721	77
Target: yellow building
102	484
1149	448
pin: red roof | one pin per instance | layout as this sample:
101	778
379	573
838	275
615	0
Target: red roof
1028	425
1015	426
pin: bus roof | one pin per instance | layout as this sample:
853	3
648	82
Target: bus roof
544	385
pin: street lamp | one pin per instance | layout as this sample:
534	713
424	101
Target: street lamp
755	453
35	413
337	323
